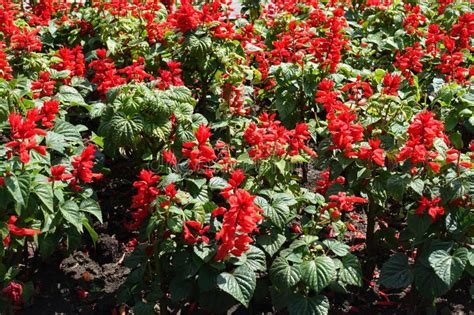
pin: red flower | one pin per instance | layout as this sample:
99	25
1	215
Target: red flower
239	221
136	72
105	76
342	202
324	183
373	153
169	157
49	111
193	232
344	133
72	60
431	206
358	89
13	291
58	173
186	18
141	201
82	167
391	84
23	132
26	40
43	86
199	153
5	69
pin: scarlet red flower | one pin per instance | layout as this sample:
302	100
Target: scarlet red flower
49	111
82	167
342	202
324	182
136	72
43	86
344	132
13	291
391	84
186	18
5	69
199	153
23	132
71	60
169	157
105	76
431	205
26	40
409	60
193	232
58	173
373	153
358	89
239	221
142	200
17	231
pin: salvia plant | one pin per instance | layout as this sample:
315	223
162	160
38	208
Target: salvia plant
285	156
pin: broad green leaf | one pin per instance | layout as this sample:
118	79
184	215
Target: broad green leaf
240	284
70	211
397	185
449	268
351	271
396	272
271	243
44	191
316	305
255	259
318	273
91	206
283	274
218	183
13	187
338	248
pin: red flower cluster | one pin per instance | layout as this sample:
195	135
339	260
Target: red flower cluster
342	203
372	153
430	206
5	69
270	138
410	60
358	89
23	133
238	222
186	18
171	77
421	134
82	167
106	76
199	153
344	132
13	291
26	40
413	20
193	232
323	184
43	86
146	194
17	231
136	72
72	60
391	84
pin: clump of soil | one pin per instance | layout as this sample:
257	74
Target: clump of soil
83	283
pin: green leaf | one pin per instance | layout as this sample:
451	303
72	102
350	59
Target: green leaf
93	234
396	272
68	94
70	211
397	185
218	183
43	190
338	248
91	206
316	305
271	243
255	259
351	271
13	187
279	210
284	275
417	185
318	273
449	268
240	284
68	131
